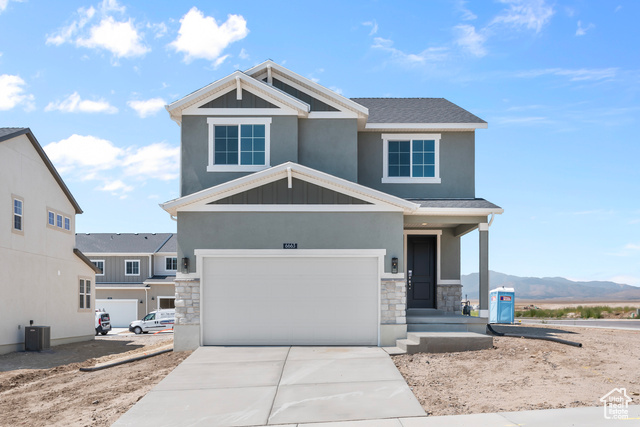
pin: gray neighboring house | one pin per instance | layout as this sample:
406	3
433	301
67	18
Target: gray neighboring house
137	272
308	218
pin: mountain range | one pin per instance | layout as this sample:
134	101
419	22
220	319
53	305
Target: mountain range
548	288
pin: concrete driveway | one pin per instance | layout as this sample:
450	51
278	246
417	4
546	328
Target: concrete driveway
247	386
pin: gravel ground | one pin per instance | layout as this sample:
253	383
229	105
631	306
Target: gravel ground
522	374
47	388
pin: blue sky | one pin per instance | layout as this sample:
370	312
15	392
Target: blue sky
558	82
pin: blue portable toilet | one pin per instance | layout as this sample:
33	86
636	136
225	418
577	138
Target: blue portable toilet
502	308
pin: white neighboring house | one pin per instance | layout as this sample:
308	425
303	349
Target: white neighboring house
46	279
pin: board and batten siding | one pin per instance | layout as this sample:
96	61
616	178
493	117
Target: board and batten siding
114	268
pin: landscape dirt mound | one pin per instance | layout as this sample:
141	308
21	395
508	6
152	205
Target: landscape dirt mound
523	374
33	392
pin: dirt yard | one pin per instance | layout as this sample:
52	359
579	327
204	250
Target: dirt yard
523	374
47	388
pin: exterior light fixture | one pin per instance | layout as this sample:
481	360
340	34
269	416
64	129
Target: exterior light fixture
185	265
394	265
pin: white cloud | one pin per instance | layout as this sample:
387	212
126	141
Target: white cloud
12	93
529	14
116	188
471	40
467	15
429	55
201	37
159	30
632	246
147	107
74	104
84	153
374	26
89	158
626	280
582	74
159	161
120	37
243	54
218	62
581	31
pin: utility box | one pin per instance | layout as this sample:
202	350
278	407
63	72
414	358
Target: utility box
37	338
502	308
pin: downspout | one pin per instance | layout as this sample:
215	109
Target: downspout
491	220
146	306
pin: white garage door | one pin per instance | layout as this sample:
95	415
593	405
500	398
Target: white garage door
121	311
290	300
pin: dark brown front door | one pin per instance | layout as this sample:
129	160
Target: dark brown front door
421	271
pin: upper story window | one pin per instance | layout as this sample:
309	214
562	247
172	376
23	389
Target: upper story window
411	158
67	223
57	220
171	263
239	144
52	218
132	267
18	214
100	264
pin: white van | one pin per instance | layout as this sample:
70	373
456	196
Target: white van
155	321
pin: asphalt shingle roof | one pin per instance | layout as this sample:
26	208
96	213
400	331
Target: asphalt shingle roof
7	132
170	245
415	110
143	243
455	203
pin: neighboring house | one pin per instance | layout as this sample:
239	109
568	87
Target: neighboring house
309	218
45	278
137	272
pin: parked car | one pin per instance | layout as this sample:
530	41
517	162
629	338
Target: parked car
103	322
155	321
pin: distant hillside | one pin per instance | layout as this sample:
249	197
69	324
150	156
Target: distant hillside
552	288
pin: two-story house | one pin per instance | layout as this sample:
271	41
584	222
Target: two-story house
137	272
309	218
46	280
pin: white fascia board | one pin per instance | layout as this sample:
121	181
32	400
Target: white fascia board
425	126
293	253
456	211
244	79
311	84
113	288
278	172
94	254
289	208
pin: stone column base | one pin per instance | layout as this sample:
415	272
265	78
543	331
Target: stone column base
449	298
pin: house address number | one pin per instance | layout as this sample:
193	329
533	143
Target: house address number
289	246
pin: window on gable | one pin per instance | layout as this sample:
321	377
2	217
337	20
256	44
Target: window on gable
241	144
411	158
52	218
67	223
59	220
18	214
132	268
85	294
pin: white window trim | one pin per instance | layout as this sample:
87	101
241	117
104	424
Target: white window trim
125	267
103	265
158	298
49	213
14	214
85	293
212	122
386	179
165	263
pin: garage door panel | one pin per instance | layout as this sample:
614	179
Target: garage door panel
290	300
121	312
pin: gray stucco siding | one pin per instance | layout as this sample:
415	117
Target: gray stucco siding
449	255
195	151
330	146
457	167
310	230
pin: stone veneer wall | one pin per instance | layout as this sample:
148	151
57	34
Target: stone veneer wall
393	301
187	301
449	298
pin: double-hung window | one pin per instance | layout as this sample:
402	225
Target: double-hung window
85	294
59	220
100	264
239	144
171	263
132	267
52	218
411	158
18	215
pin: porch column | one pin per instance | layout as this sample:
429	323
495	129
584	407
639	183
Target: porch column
483	230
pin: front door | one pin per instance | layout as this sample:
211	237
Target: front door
421	271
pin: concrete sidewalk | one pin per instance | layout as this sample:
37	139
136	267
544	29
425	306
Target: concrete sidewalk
571	417
249	386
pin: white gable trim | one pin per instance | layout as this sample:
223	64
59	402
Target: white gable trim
301	83
304	173
425	126
209	92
